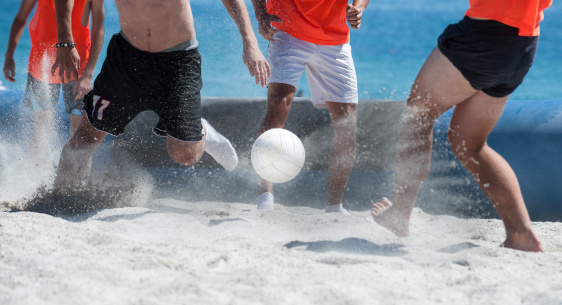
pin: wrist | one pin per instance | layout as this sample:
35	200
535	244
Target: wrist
65	45
87	74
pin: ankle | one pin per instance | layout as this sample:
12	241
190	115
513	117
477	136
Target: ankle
265	201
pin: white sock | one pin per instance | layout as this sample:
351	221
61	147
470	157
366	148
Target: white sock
265	201
220	147
336	208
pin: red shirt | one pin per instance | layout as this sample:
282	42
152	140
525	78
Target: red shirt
317	21
43	32
522	14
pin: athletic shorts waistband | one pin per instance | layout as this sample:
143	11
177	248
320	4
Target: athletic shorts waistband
184	46
488	27
191	44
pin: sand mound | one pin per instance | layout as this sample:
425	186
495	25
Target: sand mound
176	252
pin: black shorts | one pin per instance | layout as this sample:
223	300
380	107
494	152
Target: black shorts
489	54
132	81
43	96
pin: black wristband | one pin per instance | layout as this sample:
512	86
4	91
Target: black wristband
69	44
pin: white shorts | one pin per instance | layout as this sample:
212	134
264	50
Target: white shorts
329	69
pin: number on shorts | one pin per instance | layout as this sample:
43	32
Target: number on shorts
104	104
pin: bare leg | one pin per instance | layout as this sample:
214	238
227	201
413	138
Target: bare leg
215	144
279	100
74	123
438	86
76	157
42	133
471	124
186	153
342	150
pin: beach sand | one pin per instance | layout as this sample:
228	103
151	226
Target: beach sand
178	252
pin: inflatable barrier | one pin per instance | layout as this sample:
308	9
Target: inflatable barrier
528	136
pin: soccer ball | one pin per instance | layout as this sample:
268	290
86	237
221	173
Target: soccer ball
277	155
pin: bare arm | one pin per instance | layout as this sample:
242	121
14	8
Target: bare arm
252	56
68	59
355	13
265	19
84	83
15	34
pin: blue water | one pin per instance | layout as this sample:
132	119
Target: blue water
395	38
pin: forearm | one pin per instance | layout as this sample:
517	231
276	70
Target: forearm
239	13
260	8
97	33
95	50
63	10
15	34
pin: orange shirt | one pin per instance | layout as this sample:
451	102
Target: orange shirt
522	14
43	32
317	21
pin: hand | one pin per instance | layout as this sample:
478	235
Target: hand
82	86
257	65
354	15
67	62
266	30
10	69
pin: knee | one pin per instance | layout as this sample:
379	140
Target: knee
457	146
463	149
418	119
277	115
184	159
346	132
83	142
344	119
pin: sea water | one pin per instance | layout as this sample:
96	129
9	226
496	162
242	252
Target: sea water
395	38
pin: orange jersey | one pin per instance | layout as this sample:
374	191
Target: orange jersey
522	14
317	21
43	32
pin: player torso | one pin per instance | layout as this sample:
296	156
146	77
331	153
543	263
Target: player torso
156	25
316	21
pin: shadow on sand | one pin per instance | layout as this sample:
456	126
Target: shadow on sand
350	246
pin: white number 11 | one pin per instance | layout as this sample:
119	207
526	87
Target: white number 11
104	104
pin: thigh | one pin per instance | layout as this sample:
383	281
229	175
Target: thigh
474	119
178	102
117	97
181	118
331	76
287	57
40	95
439	85
111	112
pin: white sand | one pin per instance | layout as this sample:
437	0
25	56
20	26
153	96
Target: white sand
175	252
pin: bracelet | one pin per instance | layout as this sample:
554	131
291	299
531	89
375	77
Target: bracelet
69	44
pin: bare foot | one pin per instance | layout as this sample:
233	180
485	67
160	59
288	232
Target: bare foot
386	216
526	241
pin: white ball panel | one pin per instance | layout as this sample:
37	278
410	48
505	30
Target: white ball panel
270	155
277	155
272	174
288	167
288	143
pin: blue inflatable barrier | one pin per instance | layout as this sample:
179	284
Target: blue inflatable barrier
528	136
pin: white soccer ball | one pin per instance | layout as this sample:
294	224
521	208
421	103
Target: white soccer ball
277	155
